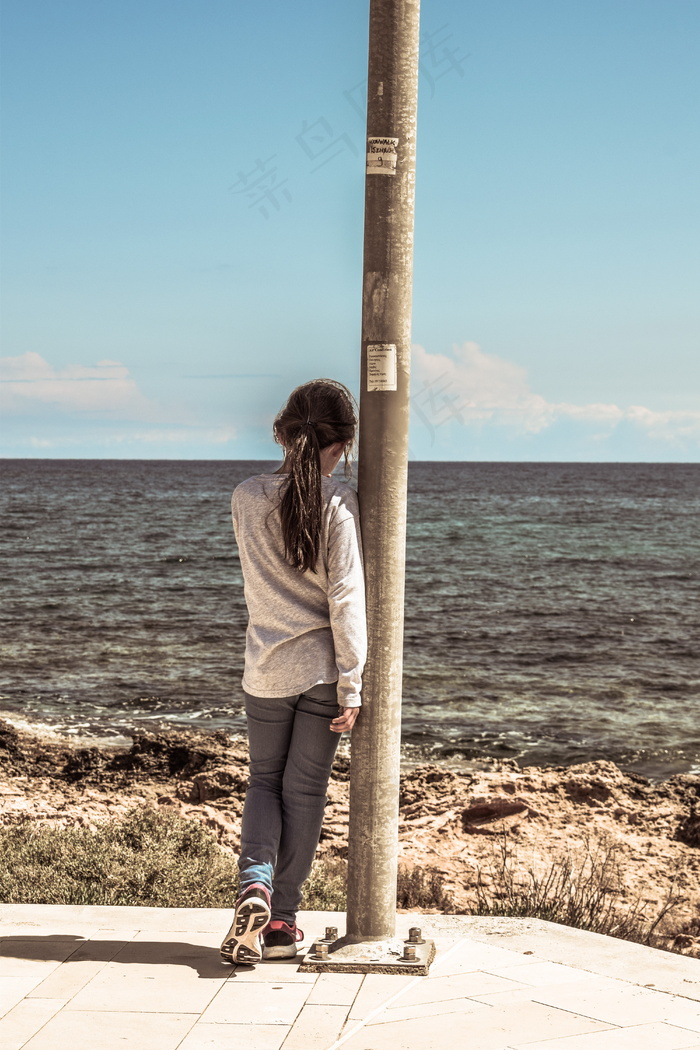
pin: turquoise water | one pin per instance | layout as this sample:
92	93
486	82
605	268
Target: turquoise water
552	610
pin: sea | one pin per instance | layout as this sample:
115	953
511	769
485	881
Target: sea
552	609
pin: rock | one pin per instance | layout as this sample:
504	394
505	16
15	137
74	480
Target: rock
217	783
590	790
426	780
171	801
83	763
686	945
688	830
341	768
684	941
222	826
165	754
10	750
490	818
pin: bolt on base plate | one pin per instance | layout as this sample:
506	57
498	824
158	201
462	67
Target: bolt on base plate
389	956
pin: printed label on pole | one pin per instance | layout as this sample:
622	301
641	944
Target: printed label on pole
381	156
381	366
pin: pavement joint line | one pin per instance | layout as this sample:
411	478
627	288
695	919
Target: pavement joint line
43	1026
383	1006
188	1032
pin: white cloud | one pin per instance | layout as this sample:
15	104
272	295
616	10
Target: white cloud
179	435
99	404
475	388
105	389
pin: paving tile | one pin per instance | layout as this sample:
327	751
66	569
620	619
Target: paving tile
409	1010
59	931
592	952
76	917
108	934
336	989
350	1025
25	1020
639	1037
420	1002
203	938
472	955
148	987
519	994
442	943
314	923
459	986
316	1026
14	989
620	1003
30	930
85	963
35	955
281	971
107	1030
168	968
536	974
249	1003
493	1028
377	989
104	942
235	1037
181	955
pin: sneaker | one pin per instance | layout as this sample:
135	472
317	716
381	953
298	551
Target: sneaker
242	942
280	940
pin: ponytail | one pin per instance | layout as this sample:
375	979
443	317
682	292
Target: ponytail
316	415
301	505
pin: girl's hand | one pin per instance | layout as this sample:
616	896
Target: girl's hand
345	720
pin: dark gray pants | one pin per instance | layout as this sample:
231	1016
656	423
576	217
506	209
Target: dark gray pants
291	754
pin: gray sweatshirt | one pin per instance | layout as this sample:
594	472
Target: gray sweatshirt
304	628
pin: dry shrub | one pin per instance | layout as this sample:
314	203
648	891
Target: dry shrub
324	890
158	859
417	887
582	889
422	888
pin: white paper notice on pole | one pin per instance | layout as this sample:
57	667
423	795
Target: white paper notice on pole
381	366
381	156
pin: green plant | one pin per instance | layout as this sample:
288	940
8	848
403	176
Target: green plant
147	858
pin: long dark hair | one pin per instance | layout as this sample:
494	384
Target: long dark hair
317	414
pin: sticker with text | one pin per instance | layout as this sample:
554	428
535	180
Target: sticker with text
381	366
381	156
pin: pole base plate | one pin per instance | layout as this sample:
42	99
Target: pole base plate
369	957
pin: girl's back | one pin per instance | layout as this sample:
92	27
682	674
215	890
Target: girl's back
298	620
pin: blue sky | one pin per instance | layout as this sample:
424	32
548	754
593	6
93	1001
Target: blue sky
182	225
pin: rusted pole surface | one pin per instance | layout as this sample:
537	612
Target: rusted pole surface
383	460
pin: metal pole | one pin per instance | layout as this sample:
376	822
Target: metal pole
392	96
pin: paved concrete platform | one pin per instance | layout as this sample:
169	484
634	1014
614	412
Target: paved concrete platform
94	978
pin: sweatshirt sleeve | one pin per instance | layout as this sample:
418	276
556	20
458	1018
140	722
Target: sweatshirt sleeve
346	599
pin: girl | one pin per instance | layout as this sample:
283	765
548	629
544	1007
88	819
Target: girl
298	538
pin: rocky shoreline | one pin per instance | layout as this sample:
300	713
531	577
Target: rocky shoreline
458	824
